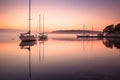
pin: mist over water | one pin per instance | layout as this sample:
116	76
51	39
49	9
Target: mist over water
61	57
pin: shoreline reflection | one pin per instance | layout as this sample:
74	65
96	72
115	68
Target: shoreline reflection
111	42
78	39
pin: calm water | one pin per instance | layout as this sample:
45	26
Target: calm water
61	57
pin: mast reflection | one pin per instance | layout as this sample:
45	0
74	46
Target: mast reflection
28	45
41	49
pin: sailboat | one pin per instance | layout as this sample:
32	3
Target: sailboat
42	35
27	36
84	35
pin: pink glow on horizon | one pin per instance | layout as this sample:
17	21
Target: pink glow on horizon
58	16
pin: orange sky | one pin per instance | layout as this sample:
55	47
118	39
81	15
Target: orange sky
60	14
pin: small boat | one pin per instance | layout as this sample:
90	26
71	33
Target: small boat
84	35
42	36
27	36
99	35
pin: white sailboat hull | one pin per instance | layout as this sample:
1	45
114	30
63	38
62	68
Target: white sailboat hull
28	38
42	37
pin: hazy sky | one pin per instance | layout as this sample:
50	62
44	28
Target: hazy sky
60	14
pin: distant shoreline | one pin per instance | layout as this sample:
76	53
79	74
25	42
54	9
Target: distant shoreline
56	32
75	31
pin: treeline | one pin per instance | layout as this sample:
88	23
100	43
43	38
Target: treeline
112	28
76	31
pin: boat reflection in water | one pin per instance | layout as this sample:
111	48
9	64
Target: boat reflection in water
77	39
24	44
68	58
28	45
111	42
108	42
41	50
42	39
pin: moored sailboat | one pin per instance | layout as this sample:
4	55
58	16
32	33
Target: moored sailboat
27	36
84	35
42	35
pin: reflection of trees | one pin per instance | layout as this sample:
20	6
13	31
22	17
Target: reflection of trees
109	28
110	42
107	43
116	44
112	29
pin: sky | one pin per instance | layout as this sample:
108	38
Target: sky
60	14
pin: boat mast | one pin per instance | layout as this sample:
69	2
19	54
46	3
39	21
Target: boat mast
92	30
29	17
43	24
39	24
84	30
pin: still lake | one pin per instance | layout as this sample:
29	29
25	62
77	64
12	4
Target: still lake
61	57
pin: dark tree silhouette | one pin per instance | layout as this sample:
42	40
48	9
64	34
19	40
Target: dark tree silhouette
109	28
117	28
